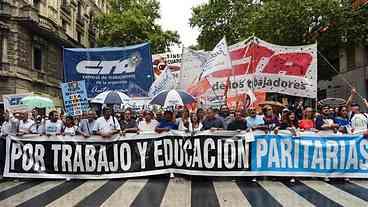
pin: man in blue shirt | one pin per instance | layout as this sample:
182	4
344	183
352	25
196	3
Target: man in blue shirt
167	123
212	122
254	121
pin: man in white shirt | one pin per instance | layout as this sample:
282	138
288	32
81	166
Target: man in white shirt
148	124
359	121
25	124
107	125
53	126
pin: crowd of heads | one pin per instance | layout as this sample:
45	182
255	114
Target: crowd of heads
342	119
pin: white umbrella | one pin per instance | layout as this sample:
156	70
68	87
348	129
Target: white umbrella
172	98
111	97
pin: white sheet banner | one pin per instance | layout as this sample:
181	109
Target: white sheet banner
259	65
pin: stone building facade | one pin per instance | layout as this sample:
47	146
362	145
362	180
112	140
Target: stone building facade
33	34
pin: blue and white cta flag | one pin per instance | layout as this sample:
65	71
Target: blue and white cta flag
127	69
165	81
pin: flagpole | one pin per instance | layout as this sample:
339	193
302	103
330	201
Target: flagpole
250	61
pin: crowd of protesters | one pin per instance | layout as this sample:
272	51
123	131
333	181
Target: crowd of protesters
345	119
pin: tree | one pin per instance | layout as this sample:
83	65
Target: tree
333	23
132	22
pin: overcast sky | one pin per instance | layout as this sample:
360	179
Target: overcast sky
175	15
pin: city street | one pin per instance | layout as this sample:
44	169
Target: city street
201	192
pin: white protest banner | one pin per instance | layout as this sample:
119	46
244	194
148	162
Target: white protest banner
259	65
165	81
12	102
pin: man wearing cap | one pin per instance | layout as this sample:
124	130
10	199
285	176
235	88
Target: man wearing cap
107	125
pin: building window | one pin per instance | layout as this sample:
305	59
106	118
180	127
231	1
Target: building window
64	25
79	37
37	58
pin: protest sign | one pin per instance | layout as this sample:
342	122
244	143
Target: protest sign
167	60
12	102
127	69
324	156
75	97
140	155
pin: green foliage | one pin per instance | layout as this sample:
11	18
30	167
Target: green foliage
284	22
132	22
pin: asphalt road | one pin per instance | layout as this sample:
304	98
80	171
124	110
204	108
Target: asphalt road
184	191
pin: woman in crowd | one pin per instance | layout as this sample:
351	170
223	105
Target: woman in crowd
288	122
200	114
70	129
195	122
184	122
307	123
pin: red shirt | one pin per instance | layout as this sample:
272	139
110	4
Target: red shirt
306	124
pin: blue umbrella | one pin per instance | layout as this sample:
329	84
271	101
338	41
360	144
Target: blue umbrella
172	98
